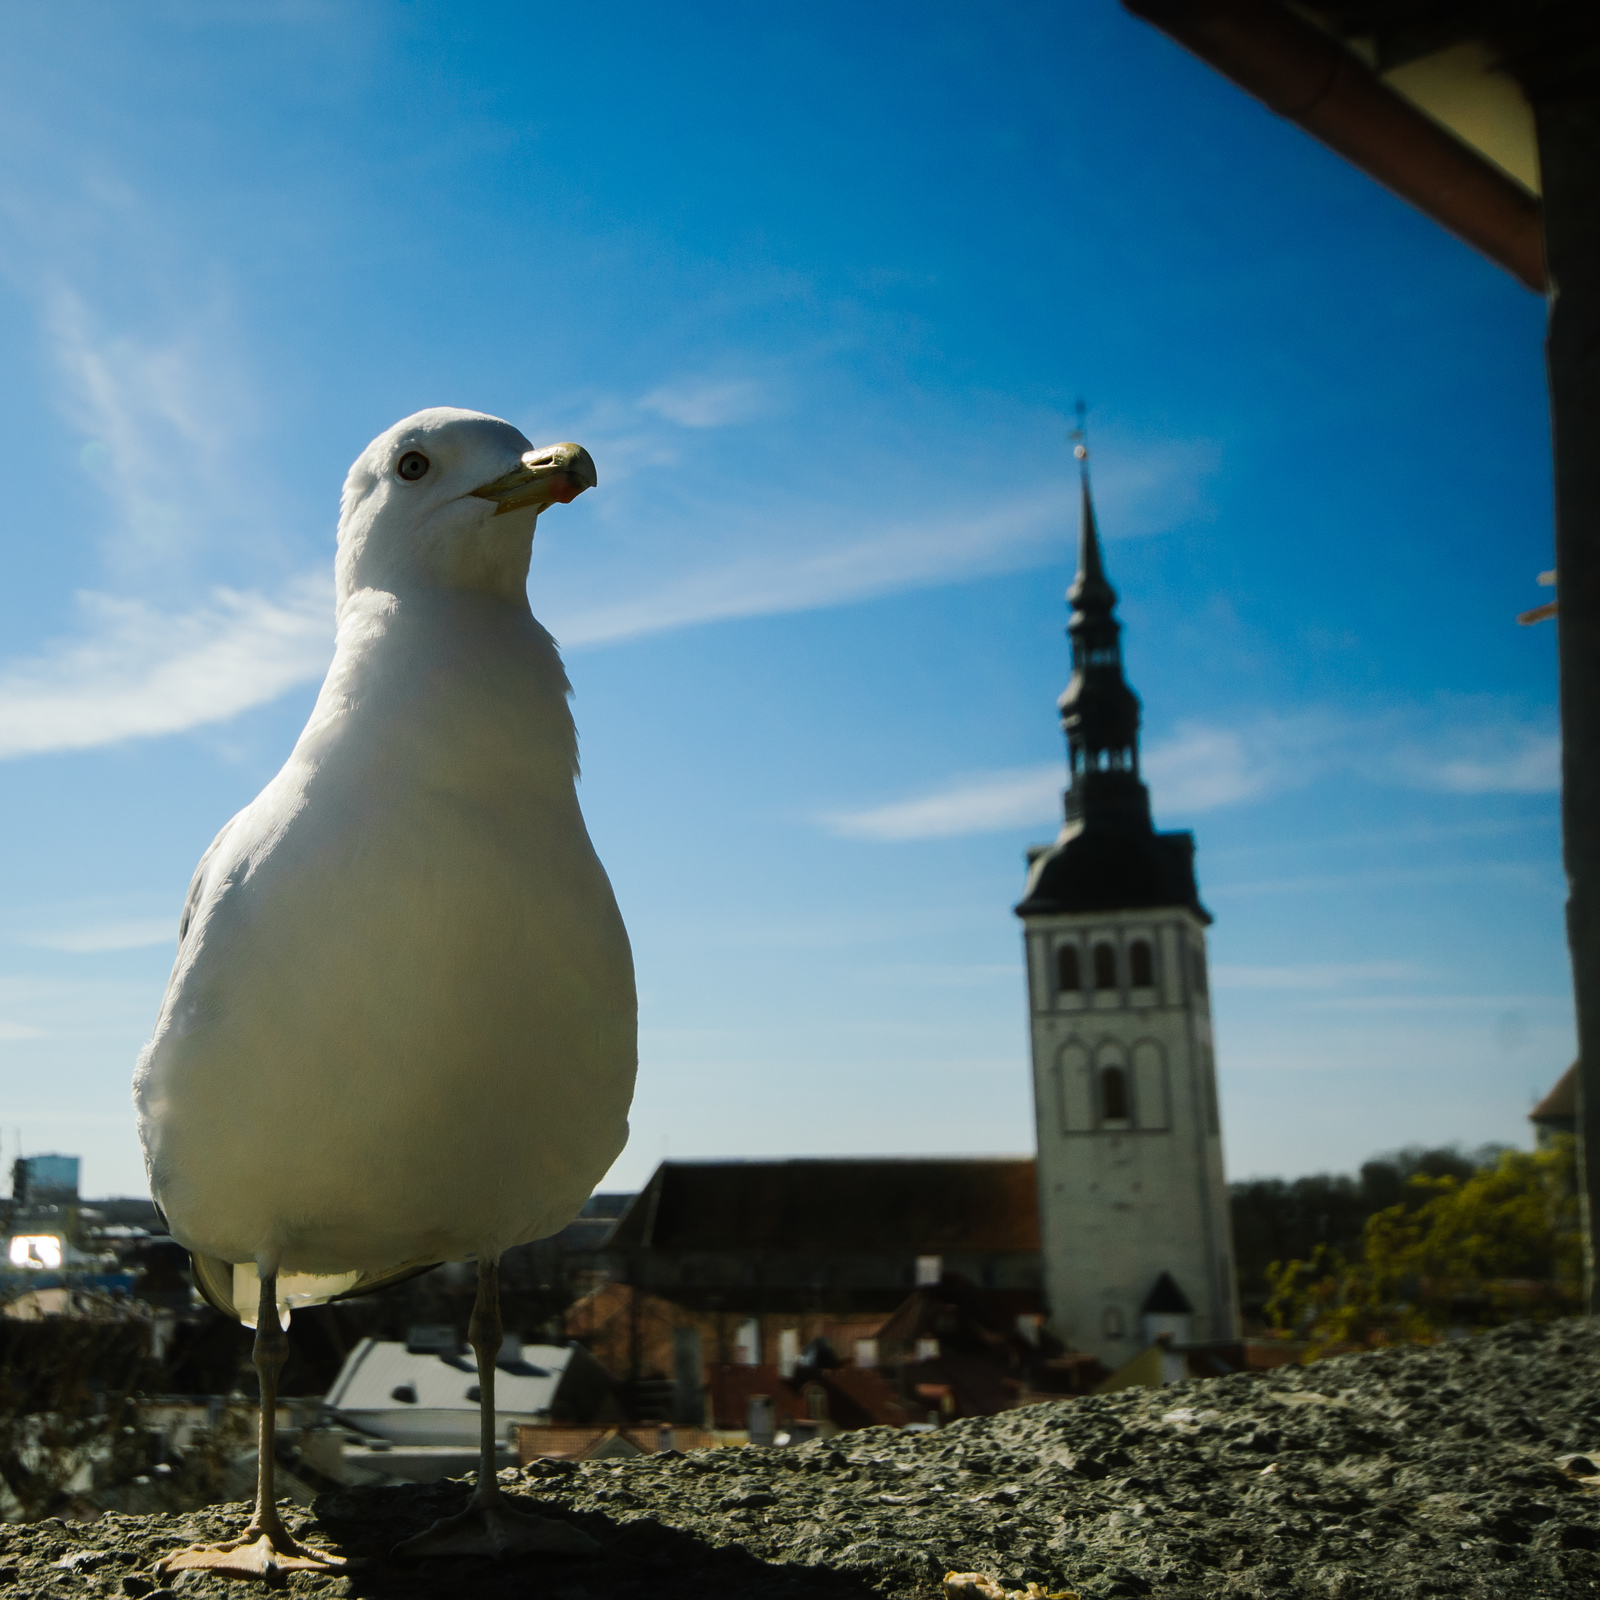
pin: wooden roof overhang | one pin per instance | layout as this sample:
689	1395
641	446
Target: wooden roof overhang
1307	74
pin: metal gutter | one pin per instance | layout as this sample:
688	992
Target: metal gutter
1303	74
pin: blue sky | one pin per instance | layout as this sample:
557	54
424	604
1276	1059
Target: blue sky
817	286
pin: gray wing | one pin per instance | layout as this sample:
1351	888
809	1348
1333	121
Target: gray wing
214	1278
191	900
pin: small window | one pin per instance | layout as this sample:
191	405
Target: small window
1113	1095
1197	958
1208	1082
1105	967
1068	979
1111	1322
1141	964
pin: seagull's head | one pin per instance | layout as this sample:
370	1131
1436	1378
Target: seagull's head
449	498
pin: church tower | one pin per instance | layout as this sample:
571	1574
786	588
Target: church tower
1133	1201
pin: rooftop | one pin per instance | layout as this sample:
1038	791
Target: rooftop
912	1205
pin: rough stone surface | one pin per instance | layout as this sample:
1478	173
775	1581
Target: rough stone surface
1420	1472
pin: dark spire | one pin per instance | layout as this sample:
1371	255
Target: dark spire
1109	856
1099	712
1090	592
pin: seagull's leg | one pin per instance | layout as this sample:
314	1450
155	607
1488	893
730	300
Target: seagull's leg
265	1549
486	1332
492	1525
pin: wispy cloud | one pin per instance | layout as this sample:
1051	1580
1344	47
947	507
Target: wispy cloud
161	415
142	933
1200	767
159	419
58	1008
708	402
1532	765
983	804
136	671
887	559
1313	975
781	546
1436	1002
942	975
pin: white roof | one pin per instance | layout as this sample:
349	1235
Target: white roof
376	1368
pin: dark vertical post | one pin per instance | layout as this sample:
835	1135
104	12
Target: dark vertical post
1568	114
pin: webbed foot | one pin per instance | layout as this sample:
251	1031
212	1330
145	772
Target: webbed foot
257	1553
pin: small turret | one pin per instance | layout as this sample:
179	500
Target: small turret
1099	712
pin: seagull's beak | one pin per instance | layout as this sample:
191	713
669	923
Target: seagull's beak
557	472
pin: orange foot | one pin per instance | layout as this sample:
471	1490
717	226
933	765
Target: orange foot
257	1554
495	1527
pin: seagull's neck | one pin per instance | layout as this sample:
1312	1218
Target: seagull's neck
457	668
470	553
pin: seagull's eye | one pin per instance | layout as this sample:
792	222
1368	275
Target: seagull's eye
412	465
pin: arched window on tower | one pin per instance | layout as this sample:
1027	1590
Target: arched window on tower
1105	967
1069	980
1113	1095
1141	965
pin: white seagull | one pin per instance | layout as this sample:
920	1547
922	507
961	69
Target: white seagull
401	1027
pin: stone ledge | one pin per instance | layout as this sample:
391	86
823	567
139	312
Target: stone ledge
1443	1471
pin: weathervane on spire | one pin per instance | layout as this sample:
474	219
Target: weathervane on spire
1080	436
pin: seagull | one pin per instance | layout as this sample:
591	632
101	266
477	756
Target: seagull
401	1027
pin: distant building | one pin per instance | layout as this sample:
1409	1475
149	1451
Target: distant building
837	1235
728	1272
42	1228
417	1393
948	1350
45	1180
1558	1111
1133	1198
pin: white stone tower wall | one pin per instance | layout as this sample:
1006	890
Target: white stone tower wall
1124	1200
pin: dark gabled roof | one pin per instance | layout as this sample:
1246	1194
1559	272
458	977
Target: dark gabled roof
1109	869
1166	1299
910	1206
1559	1108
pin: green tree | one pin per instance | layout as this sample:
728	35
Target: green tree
1497	1243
